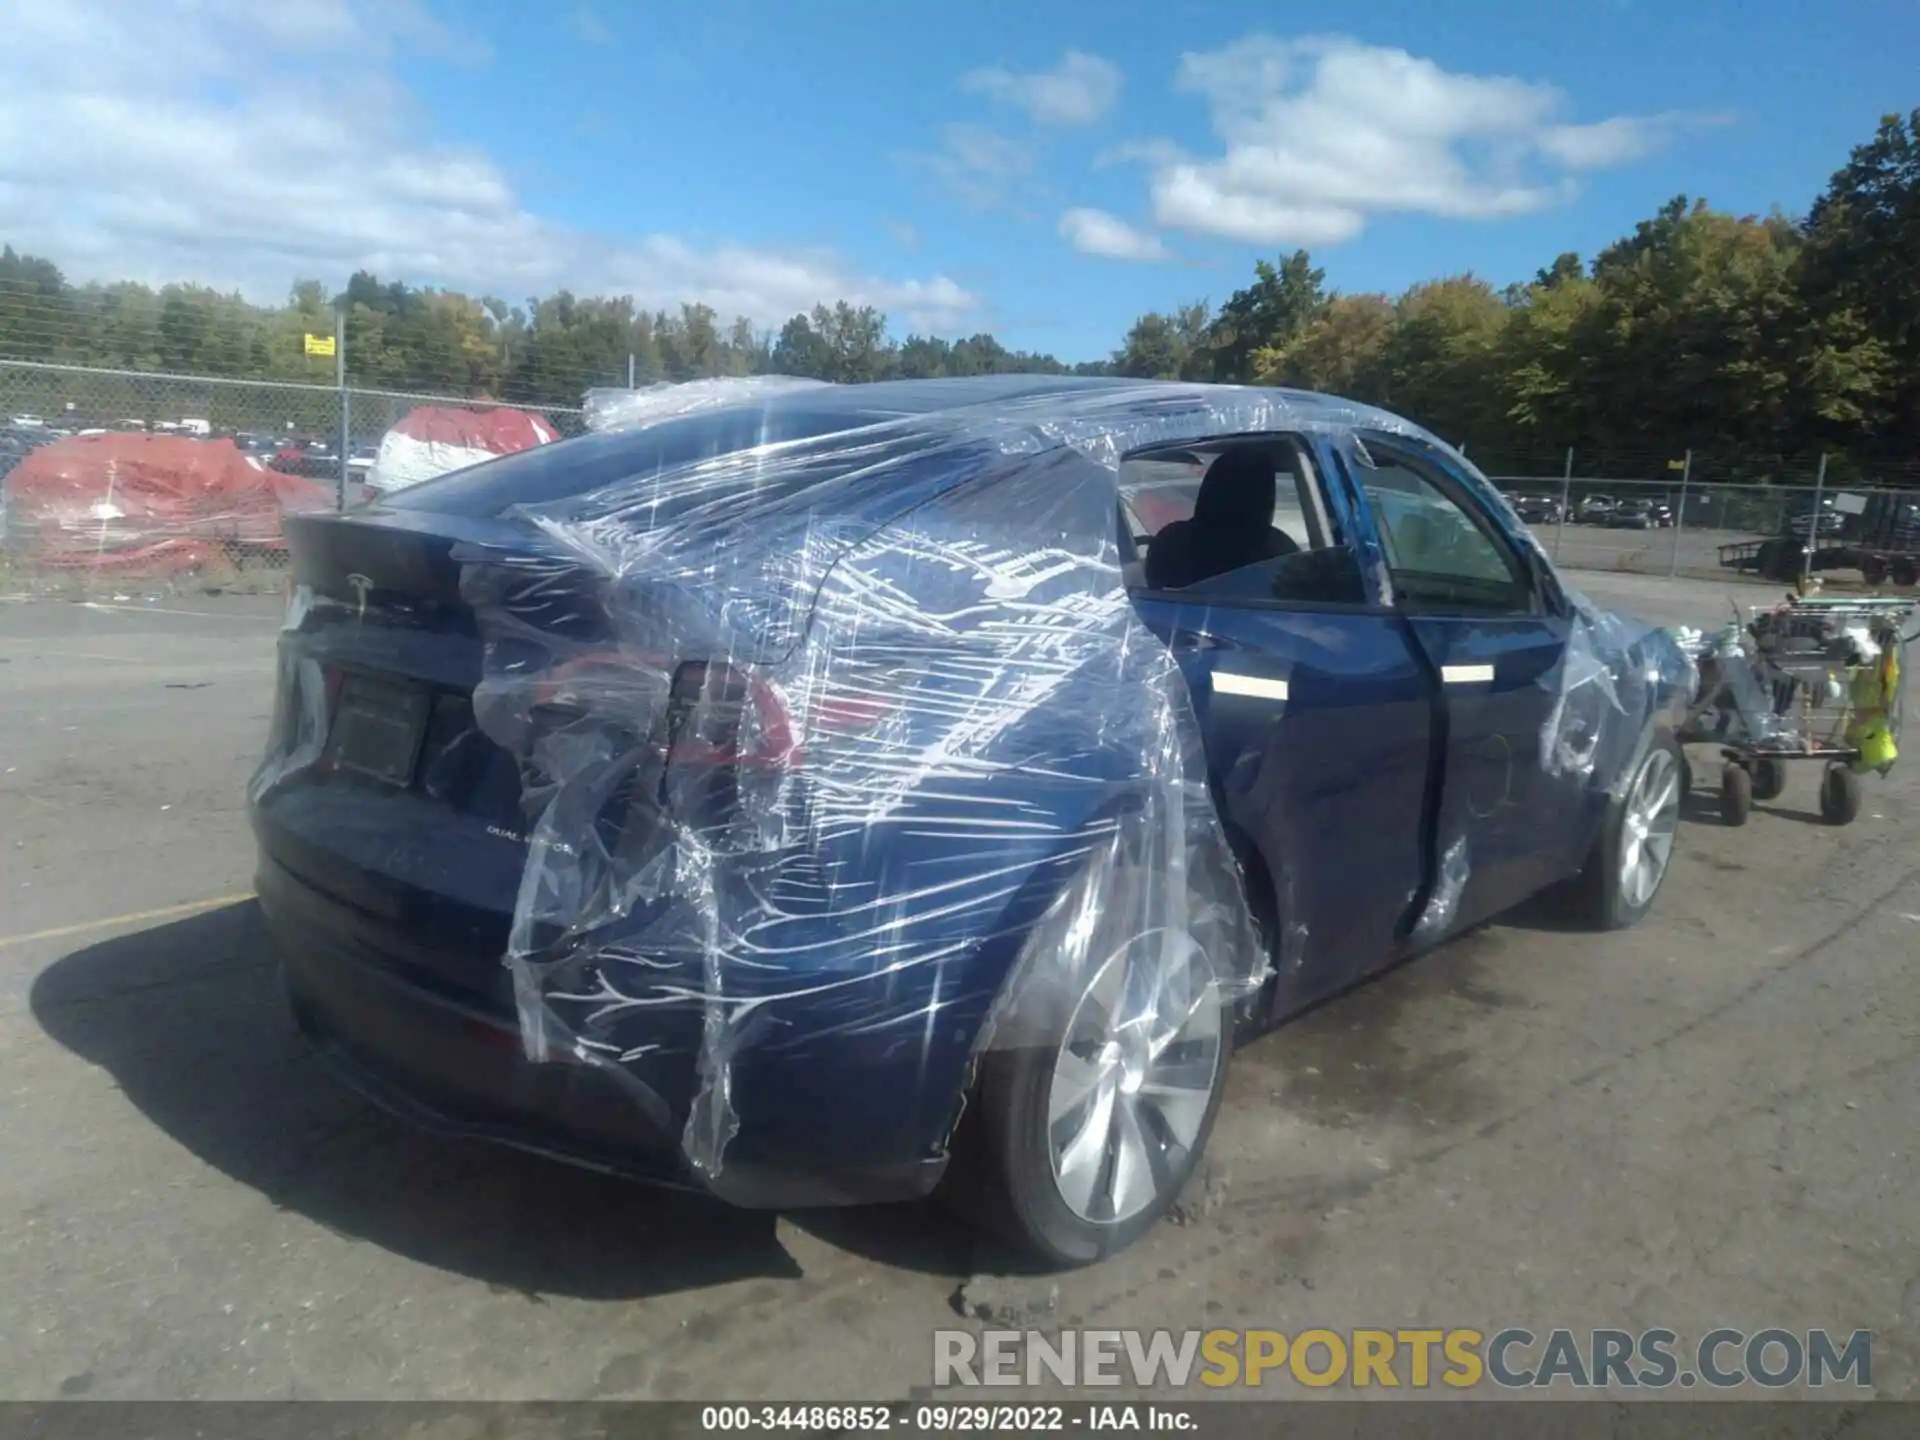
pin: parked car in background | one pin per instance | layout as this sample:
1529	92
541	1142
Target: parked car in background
1538	509
1804	518
1594	509
847	833
1632	515
307	456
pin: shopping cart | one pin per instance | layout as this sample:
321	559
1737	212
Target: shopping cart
1812	678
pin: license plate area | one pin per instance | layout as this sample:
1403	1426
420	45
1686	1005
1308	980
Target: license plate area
378	727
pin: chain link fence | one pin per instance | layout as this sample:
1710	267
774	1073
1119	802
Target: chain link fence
121	483
1847	533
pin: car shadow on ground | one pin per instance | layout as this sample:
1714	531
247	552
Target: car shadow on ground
190	1021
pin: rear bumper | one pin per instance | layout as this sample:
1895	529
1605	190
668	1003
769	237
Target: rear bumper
458	1068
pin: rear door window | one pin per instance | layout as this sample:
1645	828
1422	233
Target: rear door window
1307	561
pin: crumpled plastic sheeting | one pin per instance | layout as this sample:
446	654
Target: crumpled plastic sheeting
651	404
1617	672
1614	676
1732	705
1793	666
918	635
148	504
1436	917
298	733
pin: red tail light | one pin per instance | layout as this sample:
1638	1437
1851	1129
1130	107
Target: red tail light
727	716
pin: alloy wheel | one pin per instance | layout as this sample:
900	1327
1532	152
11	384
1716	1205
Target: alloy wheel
1134	1077
1653	811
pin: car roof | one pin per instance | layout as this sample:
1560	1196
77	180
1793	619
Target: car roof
1102	417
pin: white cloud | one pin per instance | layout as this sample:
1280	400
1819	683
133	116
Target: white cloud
979	166
1080	90
1617	141
243	145
588	25
1095	232
1321	135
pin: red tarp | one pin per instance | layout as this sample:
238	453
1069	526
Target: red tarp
148	503
434	440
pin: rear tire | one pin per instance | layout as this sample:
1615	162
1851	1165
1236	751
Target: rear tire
1873	570
1736	794
1769	778
1091	1117
1839	796
1905	572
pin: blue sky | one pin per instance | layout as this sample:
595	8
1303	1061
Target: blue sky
963	166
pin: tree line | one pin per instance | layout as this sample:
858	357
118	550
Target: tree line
547	351
1767	339
1763	340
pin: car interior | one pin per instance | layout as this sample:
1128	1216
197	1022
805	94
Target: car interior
1249	524
1231	525
1245	520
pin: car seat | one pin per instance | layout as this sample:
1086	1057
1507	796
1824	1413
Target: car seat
1232	525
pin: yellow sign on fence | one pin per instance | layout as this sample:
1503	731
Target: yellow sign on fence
319	344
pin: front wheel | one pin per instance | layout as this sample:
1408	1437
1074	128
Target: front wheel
1736	794
1635	846
1088	1127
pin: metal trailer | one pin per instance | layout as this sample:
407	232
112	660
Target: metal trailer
1813	678
1881	539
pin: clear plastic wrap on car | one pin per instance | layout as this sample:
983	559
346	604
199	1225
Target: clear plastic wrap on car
611	409
856	745
914	629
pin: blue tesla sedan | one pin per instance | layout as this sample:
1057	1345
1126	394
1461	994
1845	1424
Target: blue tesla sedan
857	792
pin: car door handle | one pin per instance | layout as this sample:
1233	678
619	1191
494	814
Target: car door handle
1188	643
1256	687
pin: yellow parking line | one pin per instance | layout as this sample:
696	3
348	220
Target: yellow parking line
164	912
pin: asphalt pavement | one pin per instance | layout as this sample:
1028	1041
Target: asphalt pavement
1705	1121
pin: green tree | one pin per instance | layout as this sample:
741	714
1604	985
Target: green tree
855	342
36	318
1269	314
1862	275
1544	364
1441	359
1167	346
802	351
1341	351
923	357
